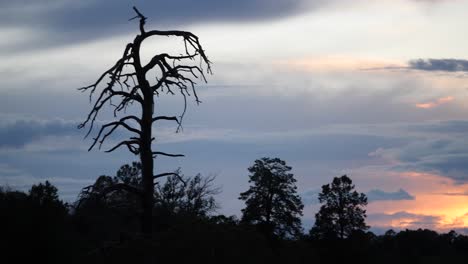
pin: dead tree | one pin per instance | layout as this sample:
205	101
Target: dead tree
127	83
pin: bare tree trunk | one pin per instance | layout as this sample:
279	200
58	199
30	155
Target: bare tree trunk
146	153
146	158
173	74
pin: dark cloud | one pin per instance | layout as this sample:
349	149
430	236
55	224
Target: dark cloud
21	132
441	65
69	21
437	153
379	195
446	161
448	65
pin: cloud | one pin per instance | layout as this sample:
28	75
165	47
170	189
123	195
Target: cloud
18	133
437	147
453	127
407	220
447	65
379	195
55	22
438	102
456	193
429	65
68	21
404	220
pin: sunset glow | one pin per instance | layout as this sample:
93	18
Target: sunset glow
440	204
435	103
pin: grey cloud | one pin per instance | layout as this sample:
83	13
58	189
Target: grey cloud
444	156
379	195
449	126
431	65
90	13
66	21
21	132
316	147
69	21
451	166
448	65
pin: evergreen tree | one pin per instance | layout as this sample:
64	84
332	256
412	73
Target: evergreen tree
271	201
342	212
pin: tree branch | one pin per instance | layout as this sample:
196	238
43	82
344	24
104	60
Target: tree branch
142	20
155	153
129	144
169	118
114	126
170	174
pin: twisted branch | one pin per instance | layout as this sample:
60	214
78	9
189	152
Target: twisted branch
155	153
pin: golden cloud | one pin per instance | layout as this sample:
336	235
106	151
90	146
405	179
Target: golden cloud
439	101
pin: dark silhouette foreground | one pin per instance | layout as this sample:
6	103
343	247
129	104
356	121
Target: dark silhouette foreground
186	230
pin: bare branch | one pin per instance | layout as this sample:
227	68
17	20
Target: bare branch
170	174
142	20
169	118
108	92
114	126
129	144
89	192
155	153
121	186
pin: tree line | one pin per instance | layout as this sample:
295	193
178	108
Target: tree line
103	225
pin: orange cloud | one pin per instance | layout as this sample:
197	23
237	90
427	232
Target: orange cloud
440	101
439	204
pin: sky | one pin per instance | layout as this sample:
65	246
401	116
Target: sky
376	90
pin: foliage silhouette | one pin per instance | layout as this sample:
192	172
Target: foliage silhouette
33	224
38	224
178	195
342	212
128	84
271	201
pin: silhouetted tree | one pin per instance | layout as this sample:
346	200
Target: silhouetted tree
33	227
192	196
177	195
131	81
33	224
50	211
342	212
271	201
44	194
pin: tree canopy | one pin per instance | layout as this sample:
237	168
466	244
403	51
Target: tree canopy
342	211
179	194
271	201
